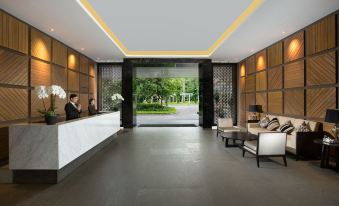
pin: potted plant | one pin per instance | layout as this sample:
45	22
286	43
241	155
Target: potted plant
43	92
117	99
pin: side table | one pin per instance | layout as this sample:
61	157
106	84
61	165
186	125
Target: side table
325	153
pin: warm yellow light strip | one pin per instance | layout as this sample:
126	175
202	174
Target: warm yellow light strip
198	53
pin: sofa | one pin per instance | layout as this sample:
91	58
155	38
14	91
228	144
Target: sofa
298	143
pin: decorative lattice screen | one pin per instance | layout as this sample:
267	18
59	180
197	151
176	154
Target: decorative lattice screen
110	83
224	95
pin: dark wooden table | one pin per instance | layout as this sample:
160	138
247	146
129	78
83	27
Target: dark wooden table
325	153
240	136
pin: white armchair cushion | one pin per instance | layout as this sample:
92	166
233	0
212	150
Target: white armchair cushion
225	122
272	143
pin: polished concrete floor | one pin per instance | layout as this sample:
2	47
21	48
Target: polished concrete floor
180	166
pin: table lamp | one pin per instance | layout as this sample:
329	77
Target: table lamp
332	116
255	108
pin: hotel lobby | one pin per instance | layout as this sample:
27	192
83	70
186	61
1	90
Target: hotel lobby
179	103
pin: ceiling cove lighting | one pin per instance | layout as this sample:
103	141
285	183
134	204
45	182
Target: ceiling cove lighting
87	7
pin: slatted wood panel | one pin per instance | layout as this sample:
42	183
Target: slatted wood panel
83	64
242	107
294	47
260	60
13	33
73	59
4	143
321	69
13	104
84	101
318	100
294	102
13	68
250	83
261	99
275	103
294	74
261	81
250	100
92	86
59	53
242	84
59	76
250	65
40	73
84	82
242	69
91	68
275	54
321	36
60	104
275	78
73	81
40	45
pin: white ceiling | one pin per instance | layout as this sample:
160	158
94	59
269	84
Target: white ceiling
169	25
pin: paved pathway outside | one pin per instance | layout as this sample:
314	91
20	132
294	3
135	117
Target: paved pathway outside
186	114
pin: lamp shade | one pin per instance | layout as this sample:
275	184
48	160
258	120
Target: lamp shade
255	108
332	116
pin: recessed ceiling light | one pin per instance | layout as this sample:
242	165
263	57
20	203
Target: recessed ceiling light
98	58
283	32
52	29
82	49
252	50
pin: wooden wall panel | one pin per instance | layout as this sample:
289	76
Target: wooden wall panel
261	99
73	81
260	60
84	82
318	100
321	36
250	100
59	53
13	68
40	45
242	67
275	104
84	102
275	78
14	33
73	59
92	86
294	47
250	83
321	69
275	54
250	65
83	64
40	73
294	102
242	84
13	104
294	74
261	81
59	76
91	69
242	114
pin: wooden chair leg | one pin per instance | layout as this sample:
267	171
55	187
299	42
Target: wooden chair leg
243	153
217	132
284	157
257	157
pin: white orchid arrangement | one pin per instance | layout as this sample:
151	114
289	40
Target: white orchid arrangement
43	92
117	99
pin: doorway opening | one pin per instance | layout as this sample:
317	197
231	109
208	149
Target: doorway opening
167	94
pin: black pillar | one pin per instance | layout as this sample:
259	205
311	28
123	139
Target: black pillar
128	110
206	94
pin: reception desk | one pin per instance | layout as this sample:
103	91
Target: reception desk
47	153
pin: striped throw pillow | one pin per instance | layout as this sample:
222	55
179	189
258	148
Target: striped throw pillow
264	122
287	127
273	124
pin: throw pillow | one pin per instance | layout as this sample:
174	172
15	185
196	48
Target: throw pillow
287	127
273	124
264	122
304	127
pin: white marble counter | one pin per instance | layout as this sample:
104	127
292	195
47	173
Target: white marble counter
51	147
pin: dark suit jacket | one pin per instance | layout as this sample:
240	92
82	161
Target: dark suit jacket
92	110
71	112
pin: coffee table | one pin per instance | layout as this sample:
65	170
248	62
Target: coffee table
242	136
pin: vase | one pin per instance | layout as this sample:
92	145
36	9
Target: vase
51	120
